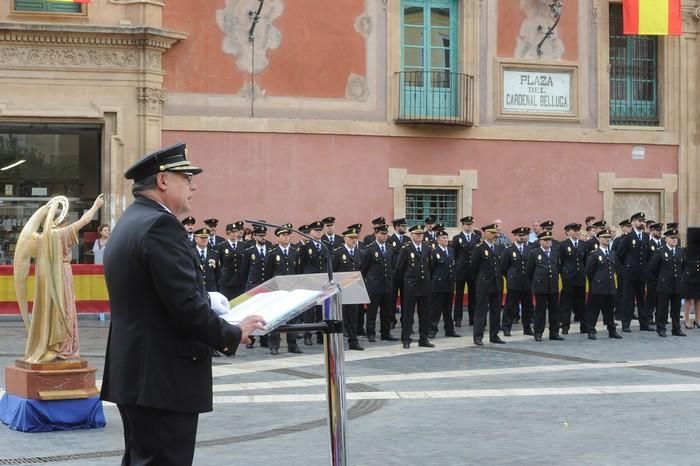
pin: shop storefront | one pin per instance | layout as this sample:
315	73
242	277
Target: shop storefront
39	161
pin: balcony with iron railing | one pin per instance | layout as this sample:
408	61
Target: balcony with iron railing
435	97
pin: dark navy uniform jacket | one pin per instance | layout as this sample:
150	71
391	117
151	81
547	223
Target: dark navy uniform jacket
486	268
543	271
377	268
414	269
667	267
442	270
513	267
600	270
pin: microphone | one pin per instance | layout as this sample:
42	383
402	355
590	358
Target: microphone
329	266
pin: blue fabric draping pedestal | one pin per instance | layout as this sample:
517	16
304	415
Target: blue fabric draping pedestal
44	416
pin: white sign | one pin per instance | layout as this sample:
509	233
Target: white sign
536	92
638	153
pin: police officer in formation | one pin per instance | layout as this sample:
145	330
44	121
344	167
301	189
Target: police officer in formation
543	272
462	244
513	262
314	259
208	259
486	269
232	280
572	259
347	258
667	266
600	270
378	269
442	273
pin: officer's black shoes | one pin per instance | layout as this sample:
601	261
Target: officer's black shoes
307	340
389	338
646	328
565	331
626	329
452	334
661	332
556	337
432	334
371	338
458	323
406	344
263	341
527	331
250	345
355	346
426	344
294	349
274	350
678	333
506	332
538	337
319	338
478	342
614	334
497	340
592	336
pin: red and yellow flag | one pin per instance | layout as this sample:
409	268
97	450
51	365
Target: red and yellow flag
651	17
71	1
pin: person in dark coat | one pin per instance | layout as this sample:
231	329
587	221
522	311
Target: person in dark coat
283	259
348	258
462	244
656	242
332	240
314	259
214	239
162	328
397	241
413	267
632	254
486	270
667	266
189	222
600	270
232	280
369	239
513	261
377	270
208	260
543	271
442	275
572	260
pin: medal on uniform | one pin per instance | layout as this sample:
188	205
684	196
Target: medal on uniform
634	241
486	252
413	256
376	254
460	241
600	258
568	248
212	263
311	252
437	255
226	251
278	258
665	254
344	257
539	257
252	257
515	255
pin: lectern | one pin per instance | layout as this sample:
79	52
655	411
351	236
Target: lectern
284	297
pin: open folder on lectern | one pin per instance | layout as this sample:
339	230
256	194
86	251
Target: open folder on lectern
283	298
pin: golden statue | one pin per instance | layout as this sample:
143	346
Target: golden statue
53	330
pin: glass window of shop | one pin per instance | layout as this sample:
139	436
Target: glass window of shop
40	161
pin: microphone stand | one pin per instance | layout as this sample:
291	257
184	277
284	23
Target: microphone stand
333	348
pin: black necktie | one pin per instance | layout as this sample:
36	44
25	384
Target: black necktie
318	247
202	255
285	252
262	252
521	250
418	250
352	253
382	249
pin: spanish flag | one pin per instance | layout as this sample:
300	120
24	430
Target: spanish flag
651	17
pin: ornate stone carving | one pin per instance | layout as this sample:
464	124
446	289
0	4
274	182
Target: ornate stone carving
153	60
235	20
594	12
150	100
363	25
356	88
60	38
67	57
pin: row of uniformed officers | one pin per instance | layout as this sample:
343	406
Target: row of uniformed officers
428	272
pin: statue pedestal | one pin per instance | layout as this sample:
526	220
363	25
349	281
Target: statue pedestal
60	395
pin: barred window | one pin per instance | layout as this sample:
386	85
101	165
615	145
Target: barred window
633	75
440	203
50	6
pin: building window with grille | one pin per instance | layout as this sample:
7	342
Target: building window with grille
634	62
440	203
48	6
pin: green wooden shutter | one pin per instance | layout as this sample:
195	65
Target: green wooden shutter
47	5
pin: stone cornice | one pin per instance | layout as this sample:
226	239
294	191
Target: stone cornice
107	36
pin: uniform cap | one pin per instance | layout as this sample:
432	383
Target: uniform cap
286	228
521	231
656	226
600	224
672	225
304	229
379	221
491	228
317	225
625	223
189	220
398	221
638	216
171	159
381	228
548	224
604	233
202	232
212	222
441	233
468	220
259	230
351	232
328	221
672	233
572	226
416	229
355	226
545	235
429	219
